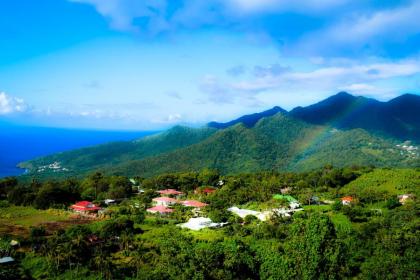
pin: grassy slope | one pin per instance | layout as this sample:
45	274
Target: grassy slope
393	181
16	220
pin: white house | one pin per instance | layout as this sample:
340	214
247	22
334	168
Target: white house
200	223
164	201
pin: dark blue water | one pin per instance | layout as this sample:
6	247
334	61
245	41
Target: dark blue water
18	143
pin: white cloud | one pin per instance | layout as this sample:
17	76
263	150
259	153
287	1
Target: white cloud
10	105
356	78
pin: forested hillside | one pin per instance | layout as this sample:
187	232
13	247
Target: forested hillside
276	143
397	118
342	130
79	161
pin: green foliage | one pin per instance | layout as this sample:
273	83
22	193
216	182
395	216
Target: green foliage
55	194
313	250
36	265
392	203
382	184
116	226
37	232
367	240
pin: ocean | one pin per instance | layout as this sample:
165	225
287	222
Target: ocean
18	143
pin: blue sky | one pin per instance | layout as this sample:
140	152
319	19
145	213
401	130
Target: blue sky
132	64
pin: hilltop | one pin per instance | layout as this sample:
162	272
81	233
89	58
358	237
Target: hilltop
303	139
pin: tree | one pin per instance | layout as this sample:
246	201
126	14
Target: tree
93	185
208	177
119	187
314	249
54	193
6	185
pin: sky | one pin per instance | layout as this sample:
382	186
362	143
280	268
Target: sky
152	64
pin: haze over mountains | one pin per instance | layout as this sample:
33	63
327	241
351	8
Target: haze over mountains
342	130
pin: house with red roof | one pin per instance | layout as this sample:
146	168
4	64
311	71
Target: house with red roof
347	200
206	191
164	201
160	209
170	192
193	203
196	205
85	207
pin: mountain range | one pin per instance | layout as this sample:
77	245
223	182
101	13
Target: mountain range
341	130
398	118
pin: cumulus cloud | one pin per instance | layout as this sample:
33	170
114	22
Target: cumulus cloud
10	105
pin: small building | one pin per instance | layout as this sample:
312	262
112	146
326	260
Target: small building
109	201
405	197
200	223
164	201
170	192
7	260
206	190
194	203
85	207
347	200
160	209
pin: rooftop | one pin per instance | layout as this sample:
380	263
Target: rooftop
85	206
193	203
160	209
164	199
170	192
